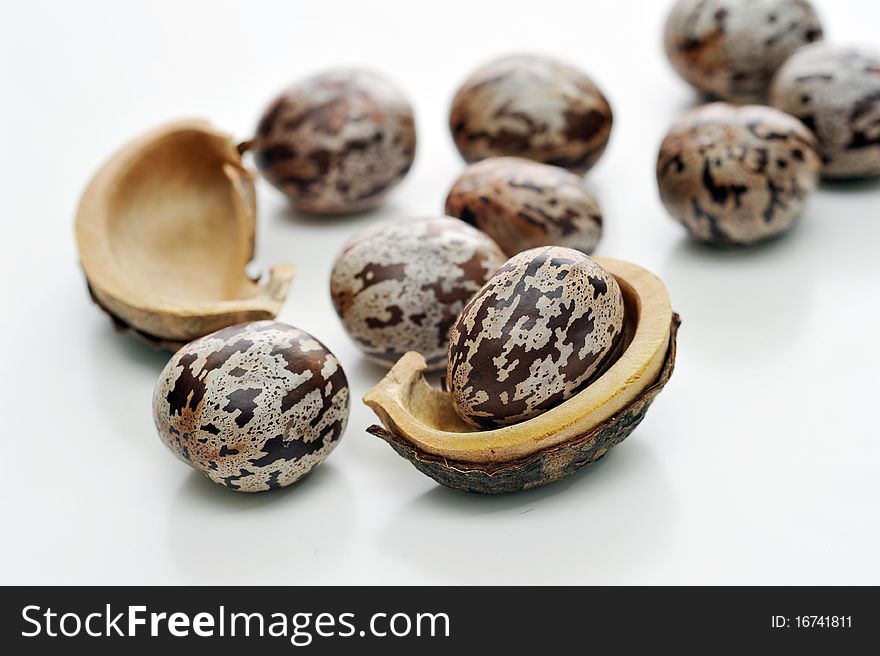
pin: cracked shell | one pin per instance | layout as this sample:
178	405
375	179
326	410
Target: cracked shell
737	175
400	284
534	107
731	49
836	93
165	230
337	142
537	332
254	407
421	424
523	204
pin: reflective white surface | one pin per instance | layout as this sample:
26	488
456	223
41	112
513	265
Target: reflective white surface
759	463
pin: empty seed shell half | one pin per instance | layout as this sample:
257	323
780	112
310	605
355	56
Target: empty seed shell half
165	230
421	424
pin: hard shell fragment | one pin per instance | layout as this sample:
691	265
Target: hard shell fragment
165	230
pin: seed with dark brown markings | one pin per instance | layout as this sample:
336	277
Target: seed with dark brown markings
836	93
399	285
523	204
731	49
254	407
737	175
337	142
534	107
536	333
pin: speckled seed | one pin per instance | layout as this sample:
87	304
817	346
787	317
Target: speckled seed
737	175
732	48
254	407
399	285
533	107
836	93
337	142
523	204
533	336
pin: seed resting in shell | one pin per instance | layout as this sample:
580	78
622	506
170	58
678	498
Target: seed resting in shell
421	424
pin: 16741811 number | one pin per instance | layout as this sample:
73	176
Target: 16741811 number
812	622
824	621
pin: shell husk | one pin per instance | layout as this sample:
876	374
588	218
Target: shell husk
165	230
420	422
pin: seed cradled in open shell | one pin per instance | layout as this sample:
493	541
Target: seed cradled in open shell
165	230
421	424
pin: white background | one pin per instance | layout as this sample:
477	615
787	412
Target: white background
759	463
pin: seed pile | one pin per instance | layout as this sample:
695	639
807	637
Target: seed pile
258	405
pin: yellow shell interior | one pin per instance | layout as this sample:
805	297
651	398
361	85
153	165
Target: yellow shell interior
165	230
408	406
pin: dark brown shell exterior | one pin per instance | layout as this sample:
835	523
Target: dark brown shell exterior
545	466
254	407
524	204
836	93
120	325
730	49
533	107
337	142
737	175
540	329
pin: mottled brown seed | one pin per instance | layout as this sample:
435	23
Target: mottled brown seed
254	407
737	175
730	49
399	285
536	333
533	107
524	204
337	142
836	93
